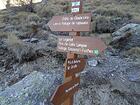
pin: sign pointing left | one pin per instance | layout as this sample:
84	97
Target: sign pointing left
68	23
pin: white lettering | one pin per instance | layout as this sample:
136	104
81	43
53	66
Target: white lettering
62	48
75	3
76	85
81	45
75	10
81	23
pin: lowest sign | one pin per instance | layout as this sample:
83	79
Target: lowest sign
65	91
81	45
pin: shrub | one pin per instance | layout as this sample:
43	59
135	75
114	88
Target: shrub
112	12
133	52
102	24
13	40
49	10
53	7
33	17
4	34
133	1
22	51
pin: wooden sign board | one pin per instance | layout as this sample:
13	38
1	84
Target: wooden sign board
65	91
74	66
68	23
81	45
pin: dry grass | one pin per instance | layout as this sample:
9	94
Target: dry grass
107	38
110	15
53	7
22	51
13	40
23	17
125	6
4	34
33	17
134	52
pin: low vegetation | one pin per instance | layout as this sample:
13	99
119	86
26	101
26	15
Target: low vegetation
133	52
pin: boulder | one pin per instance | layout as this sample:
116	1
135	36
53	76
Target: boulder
35	89
127	28
127	37
93	62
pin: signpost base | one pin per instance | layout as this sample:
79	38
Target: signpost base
69	101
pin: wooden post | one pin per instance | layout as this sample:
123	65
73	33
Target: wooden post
69	101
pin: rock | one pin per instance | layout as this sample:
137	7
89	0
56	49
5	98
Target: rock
32	90
32	40
46	27
2	25
120	41
127	37
134	77
9	28
127	28
26	40
2	70
109	84
93	62
44	1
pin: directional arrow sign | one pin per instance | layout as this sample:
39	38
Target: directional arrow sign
68	23
65	91
74	66
81	45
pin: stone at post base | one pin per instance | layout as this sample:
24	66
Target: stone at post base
32	90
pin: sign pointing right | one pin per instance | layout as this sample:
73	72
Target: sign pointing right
81	45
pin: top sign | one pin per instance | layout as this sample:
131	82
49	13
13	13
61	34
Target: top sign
68	23
76	6
75	3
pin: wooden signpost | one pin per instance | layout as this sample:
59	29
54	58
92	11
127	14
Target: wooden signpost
73	44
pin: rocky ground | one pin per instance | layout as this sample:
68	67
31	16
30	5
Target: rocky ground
31	68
